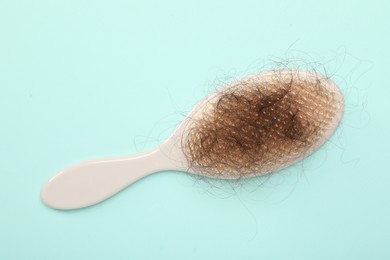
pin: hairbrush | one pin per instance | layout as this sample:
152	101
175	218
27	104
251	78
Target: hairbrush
250	127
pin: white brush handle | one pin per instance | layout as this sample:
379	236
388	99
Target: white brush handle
91	182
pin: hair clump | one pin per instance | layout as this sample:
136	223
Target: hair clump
259	124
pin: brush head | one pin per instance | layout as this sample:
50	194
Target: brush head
260	124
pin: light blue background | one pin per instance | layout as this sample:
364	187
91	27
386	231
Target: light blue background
86	79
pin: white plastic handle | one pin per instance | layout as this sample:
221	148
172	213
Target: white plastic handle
91	182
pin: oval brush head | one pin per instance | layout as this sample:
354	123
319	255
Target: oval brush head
251	127
262	123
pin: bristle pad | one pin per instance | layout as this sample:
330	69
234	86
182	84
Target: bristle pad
261	124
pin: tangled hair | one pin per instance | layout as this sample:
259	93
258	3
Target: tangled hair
260	124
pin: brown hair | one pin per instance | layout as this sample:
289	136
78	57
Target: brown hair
259	124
